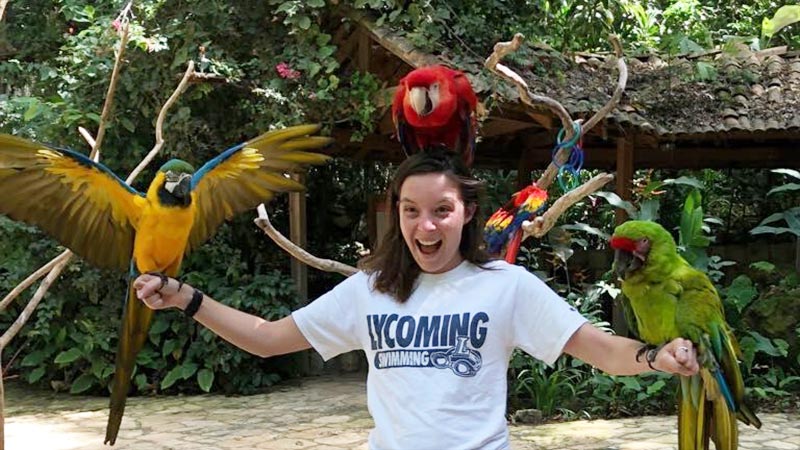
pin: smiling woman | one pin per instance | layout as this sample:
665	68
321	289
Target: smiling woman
436	317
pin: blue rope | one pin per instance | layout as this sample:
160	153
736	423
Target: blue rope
569	173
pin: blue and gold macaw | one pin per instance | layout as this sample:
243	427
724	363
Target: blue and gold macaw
91	211
504	227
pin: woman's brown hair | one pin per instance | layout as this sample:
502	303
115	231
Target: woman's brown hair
392	262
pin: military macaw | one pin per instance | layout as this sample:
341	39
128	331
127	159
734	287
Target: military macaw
91	211
435	106
668	298
505	225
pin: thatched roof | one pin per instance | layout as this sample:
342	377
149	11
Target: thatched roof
717	109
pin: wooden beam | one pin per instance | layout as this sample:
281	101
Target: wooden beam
494	126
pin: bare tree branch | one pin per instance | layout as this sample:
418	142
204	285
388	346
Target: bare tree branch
32	279
3	4
327	265
492	63
542	224
160	123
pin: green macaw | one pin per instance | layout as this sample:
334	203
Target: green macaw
670	299
108	223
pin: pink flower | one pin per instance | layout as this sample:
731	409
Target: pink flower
286	72
117	24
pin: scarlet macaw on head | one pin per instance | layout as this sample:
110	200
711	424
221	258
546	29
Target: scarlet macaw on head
435	106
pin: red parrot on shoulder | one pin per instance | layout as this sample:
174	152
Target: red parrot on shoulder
435	106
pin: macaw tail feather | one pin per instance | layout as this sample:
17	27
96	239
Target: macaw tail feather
513	246
693	425
135	324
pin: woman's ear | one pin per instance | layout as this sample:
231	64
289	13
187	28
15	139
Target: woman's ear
469	212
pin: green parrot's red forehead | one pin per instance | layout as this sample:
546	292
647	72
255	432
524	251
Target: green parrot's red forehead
623	243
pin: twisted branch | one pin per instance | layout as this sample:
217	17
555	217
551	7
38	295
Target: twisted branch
542	224
327	265
501	49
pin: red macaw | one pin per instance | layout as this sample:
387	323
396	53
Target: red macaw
435	106
507	221
108	223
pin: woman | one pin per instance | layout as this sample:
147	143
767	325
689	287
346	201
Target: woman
436	317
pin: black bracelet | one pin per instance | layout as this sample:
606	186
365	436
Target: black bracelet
194	304
650	352
650	356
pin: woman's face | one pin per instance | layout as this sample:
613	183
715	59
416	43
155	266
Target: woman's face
432	215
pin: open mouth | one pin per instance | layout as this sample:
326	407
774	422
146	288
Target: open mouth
428	247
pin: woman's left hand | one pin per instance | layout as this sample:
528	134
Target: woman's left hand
679	356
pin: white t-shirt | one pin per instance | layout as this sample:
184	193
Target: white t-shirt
438	362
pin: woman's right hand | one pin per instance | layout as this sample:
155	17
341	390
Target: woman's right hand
158	295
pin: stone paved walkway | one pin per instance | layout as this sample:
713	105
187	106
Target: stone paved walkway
315	414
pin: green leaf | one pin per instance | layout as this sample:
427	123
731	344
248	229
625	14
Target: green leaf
205	378
304	22
171	377
765	345
159	326
127	124
187	370
82	383
686	181
33	358
35	375
649	210
33	110
656	387
784	16
774	230
764	266
68	356
706	71
614	200
588	229
741	292
315	3
784	188
790	172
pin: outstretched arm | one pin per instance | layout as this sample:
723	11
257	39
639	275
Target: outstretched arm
616	355
246	331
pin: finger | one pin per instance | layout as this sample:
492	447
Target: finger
154	301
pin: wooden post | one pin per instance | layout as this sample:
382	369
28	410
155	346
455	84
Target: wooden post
309	362
364	51
624	190
297	234
624	175
524	176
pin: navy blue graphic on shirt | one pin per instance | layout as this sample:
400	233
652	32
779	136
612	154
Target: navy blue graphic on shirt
443	341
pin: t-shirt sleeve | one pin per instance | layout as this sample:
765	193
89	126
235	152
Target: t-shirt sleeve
329	322
543	322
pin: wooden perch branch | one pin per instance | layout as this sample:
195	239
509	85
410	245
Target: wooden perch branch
327	265
160	123
542	224
502	49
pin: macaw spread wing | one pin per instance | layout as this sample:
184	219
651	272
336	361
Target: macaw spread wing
80	203
251	173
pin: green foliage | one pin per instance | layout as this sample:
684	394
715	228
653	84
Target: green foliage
72	341
791	216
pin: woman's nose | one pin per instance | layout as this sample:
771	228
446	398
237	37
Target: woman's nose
428	224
